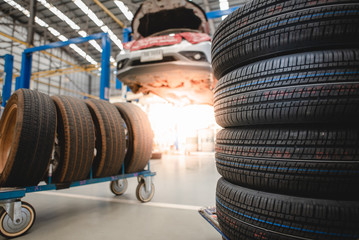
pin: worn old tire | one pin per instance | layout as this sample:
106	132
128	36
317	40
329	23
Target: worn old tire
110	138
334	25
246	214
140	136
156	155
76	140
312	87
320	162
27	129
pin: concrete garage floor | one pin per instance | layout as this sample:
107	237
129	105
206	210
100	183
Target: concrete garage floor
183	185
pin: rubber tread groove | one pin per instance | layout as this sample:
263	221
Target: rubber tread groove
283	215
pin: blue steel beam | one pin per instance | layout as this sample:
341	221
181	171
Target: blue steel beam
17	83
105	68
25	72
220	13
65	43
145	173
25	75
6	90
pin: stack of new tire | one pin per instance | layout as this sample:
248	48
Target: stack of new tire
68	138
288	98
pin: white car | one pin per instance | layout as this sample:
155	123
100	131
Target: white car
171	53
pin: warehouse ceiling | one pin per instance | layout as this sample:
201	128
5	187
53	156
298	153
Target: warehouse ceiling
65	19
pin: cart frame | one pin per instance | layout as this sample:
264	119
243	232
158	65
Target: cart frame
10	198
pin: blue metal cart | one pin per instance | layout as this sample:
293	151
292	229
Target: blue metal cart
16	216
210	215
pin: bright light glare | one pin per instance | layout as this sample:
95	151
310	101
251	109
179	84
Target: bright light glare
18	7
223	5
95	45
52	30
124	9
98	22
172	123
41	23
59	14
82	33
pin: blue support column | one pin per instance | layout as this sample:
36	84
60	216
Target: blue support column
6	91
105	68
25	74
17	83
127	34
27	55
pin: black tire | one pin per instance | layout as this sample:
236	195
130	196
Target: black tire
27	128
245	214
140	137
110	138
309	87
76	136
257	10
313	28
314	162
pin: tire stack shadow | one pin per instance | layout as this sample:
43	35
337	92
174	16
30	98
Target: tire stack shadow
74	136
288	98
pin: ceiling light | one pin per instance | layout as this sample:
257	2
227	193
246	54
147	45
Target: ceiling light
223	5
53	31
95	45
63	38
104	28
41	23
18	7
88	12
115	39
82	33
124	9
98	22
59	14
82	6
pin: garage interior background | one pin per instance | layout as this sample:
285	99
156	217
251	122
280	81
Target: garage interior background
75	70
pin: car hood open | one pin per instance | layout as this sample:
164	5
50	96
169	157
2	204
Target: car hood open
155	16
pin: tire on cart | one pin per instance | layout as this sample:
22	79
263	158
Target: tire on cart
119	187
140	137
9	229
76	140
141	194
27	134
110	138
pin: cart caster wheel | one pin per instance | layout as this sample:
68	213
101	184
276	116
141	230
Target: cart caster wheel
119	187
141	193
10	229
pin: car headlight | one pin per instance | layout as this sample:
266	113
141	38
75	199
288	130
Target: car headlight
122	63
195	56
